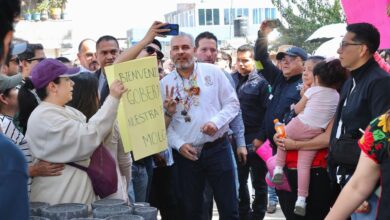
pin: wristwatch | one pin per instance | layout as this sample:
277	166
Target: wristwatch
166	113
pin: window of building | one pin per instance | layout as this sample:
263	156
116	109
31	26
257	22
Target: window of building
273	13
202	19
226	16
257	13
191	19
233	13
267	13
242	12
208	16
216	16
186	15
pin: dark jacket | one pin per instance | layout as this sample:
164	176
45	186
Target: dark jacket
13	181
252	91
284	91
105	91
369	99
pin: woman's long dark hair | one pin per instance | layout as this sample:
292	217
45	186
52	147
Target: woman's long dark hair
85	94
27	101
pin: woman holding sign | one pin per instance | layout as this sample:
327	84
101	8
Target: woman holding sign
86	100
60	134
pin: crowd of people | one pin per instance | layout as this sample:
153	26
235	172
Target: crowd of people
56	119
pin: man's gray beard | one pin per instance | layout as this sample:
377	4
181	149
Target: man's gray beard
185	66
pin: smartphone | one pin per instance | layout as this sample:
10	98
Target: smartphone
174	29
275	23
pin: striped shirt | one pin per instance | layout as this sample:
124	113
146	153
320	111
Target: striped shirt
9	129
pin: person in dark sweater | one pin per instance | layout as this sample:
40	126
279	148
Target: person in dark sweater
285	91
364	96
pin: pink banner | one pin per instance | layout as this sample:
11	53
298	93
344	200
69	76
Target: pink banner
370	11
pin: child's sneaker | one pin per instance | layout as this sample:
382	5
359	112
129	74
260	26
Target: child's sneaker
278	176
300	206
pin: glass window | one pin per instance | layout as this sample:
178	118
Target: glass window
226	16
186	16
216	16
273	13
239	12
232	15
192	19
209	17
255	16
201	17
245	12
267	13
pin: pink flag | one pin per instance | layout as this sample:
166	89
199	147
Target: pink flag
375	12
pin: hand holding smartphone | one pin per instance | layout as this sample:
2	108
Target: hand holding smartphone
174	29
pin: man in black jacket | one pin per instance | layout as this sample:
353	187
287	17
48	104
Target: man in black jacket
364	96
252	91
285	91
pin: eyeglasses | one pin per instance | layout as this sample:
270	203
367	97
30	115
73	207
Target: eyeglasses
345	44
37	59
151	50
16	60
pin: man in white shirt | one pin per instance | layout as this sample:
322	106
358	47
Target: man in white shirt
206	105
87	56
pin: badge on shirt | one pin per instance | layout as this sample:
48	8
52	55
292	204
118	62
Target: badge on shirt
299	86
208	81
254	83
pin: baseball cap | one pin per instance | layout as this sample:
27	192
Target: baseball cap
18	48
293	51
48	70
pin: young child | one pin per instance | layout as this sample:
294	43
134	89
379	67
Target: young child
314	111
307	75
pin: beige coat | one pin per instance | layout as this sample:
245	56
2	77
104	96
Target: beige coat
123	163
61	135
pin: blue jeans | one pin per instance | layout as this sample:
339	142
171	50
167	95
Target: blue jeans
373	200
272	197
216	166
138	185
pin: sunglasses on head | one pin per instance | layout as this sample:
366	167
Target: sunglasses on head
151	50
37	59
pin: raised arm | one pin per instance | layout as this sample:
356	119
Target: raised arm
132	52
263	63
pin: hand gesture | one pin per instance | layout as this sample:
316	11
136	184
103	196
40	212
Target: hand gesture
117	89
209	128
169	102
189	152
44	168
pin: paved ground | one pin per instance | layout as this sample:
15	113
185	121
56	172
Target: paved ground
278	215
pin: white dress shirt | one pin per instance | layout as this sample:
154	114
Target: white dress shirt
218	103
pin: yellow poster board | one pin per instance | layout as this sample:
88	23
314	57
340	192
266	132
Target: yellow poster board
140	113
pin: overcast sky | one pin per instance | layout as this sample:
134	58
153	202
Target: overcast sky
98	17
